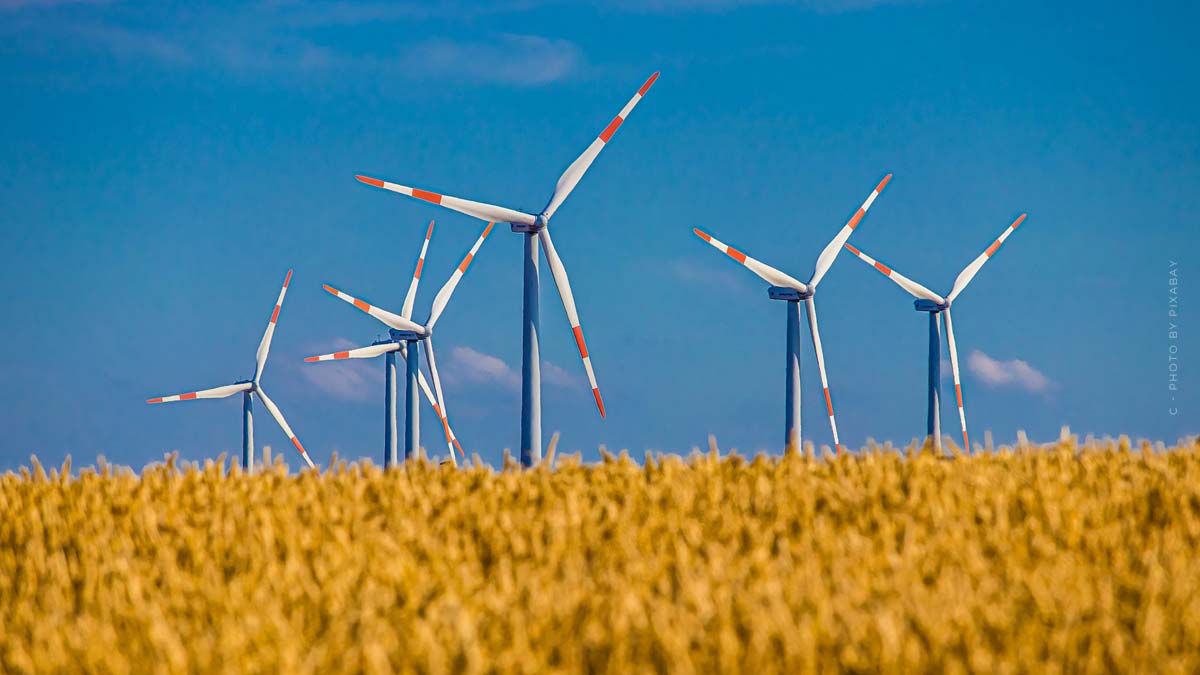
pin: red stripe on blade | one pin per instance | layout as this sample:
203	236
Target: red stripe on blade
583	352
649	83
341	355
736	254
701	234
599	401
275	314
296	442
420	264
828	402
858	215
992	249
883	183
462	267
611	128
853	250
427	196
370	181
958	391
288	279
883	268
154	400
187	397
362	305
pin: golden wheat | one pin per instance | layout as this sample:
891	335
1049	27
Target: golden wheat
1062	559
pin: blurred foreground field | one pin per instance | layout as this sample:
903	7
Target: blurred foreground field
1065	559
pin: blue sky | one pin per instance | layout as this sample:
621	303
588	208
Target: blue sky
163	165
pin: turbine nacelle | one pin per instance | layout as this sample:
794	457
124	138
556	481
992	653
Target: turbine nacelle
406	335
788	293
923	305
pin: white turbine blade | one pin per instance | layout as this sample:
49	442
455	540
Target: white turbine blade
962	413
816	338
443	296
570	178
406	310
489	212
360	353
568	299
834	247
915	289
433	402
218	392
437	386
274	410
392	320
264	347
764	271
969	272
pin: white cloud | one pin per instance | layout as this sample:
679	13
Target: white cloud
714	273
1014	372
470	365
522	60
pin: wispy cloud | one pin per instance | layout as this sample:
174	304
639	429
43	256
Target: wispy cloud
352	379
470	365
523	60
1014	372
718	274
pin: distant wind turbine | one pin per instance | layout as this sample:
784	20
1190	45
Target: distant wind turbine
791	290
389	347
405	330
248	389
935	305
535	228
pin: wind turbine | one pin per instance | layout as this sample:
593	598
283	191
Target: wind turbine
389	347
404	329
536	230
248	389
935	305
788	288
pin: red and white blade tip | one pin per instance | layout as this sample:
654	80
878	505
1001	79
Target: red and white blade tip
370	181
649	83
599	401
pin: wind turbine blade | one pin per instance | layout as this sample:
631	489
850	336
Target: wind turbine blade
274	410
915	289
962	413
764	271
568	299
392	320
834	247
406	310
424	384
816	338
264	347
360	353
570	178
480	210
443	296
218	392
969	272
437	386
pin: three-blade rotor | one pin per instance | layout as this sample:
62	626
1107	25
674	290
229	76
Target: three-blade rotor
776	277
566	184
960	284
253	386
423	332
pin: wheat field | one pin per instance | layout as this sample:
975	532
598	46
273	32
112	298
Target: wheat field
1072	558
